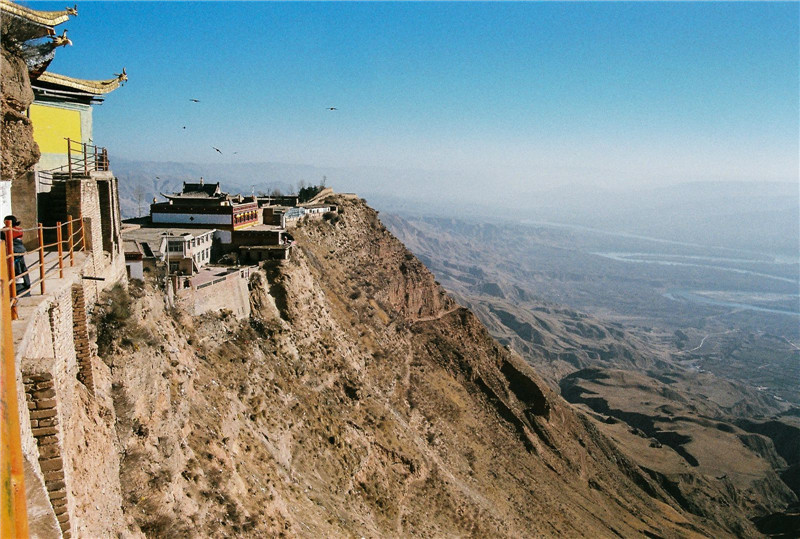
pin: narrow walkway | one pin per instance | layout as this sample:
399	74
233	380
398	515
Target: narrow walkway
438	316
50	267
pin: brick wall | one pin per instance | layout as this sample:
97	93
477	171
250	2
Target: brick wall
83	198
80	332
40	395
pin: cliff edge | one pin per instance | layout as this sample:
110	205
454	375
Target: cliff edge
358	399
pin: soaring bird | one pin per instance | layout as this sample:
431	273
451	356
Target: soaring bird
220	151
331	108
184	127
194	100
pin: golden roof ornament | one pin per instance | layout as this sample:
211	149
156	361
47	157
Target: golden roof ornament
22	24
61	41
122	78
96	87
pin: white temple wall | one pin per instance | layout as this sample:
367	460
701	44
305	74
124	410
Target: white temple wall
191	219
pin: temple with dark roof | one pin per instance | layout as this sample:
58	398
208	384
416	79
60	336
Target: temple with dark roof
205	204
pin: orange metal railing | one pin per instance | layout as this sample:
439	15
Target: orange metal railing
83	158
64	246
13	506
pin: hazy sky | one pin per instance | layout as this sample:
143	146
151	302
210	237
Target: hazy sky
520	92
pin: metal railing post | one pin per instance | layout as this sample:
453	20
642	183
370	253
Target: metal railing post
69	158
12	278
83	233
60	251
13	507
95	157
71	242
40	233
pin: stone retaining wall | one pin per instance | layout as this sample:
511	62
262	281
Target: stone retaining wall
229	293
80	331
40	394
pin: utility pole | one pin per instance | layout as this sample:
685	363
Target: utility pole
138	192
166	278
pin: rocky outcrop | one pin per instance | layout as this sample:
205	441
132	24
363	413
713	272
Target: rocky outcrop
20	152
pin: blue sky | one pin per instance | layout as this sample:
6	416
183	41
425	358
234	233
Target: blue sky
516	92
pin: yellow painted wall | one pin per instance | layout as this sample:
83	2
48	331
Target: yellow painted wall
51	125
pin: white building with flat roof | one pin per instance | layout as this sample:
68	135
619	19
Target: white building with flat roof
185	250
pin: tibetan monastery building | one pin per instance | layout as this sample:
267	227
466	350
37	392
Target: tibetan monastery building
61	110
206	205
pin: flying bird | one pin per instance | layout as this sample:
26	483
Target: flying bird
194	100
331	108
184	127
220	151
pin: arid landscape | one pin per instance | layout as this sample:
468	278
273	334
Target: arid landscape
359	398
567	305
699	388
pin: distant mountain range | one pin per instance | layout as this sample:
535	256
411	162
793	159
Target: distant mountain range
761	216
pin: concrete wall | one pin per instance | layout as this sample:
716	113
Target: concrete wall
5	198
135	269
23	196
232	294
55	122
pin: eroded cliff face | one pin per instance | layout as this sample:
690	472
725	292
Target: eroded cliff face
20	152
358	400
88	445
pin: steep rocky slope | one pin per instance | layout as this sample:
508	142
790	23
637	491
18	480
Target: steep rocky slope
358	400
724	450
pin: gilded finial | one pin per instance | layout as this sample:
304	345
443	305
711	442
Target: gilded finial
62	40
121	77
72	10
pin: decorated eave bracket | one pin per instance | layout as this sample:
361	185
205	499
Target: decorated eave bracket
21	24
33	33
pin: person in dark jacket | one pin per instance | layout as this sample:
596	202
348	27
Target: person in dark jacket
19	261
